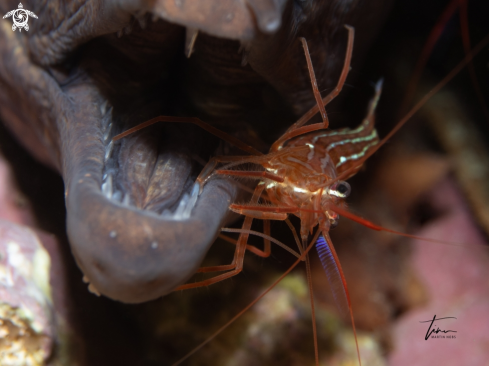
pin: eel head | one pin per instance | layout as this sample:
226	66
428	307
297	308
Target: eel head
88	70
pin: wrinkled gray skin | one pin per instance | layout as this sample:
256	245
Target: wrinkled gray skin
86	65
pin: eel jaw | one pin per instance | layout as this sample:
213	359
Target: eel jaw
56	87
132	230
129	252
132	247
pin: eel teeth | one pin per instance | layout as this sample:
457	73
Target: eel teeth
108	172
108	114
117	196
192	201
142	20
126	201
107	132
93	290
244	49
190	37
103	107
107	186
108	150
185	206
113	192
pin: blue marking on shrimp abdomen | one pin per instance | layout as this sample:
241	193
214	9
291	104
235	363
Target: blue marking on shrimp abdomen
333	274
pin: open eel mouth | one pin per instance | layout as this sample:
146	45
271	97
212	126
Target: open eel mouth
87	71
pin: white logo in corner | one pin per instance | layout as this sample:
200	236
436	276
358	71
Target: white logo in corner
20	17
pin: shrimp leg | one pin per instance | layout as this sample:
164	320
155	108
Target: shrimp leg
196	121
295	129
237	264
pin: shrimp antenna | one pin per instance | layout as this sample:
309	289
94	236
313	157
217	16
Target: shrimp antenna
371	225
418	105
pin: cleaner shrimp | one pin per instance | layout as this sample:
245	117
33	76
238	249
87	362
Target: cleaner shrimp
303	175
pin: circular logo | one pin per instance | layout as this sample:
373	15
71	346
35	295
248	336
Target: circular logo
20	18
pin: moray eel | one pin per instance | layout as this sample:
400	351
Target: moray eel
87	70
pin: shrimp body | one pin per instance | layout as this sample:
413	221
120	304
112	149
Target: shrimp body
313	160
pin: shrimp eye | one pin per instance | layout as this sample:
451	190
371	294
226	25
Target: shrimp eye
343	188
340	189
